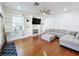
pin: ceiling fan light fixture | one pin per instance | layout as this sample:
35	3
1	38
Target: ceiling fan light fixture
44	14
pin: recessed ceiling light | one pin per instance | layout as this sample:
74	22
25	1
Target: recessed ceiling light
18	7
65	9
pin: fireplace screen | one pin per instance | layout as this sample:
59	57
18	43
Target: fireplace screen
35	31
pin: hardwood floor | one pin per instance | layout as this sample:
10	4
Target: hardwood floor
35	46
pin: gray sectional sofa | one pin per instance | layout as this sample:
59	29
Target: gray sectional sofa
60	32
67	38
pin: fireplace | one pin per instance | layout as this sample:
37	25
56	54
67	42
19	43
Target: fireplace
35	31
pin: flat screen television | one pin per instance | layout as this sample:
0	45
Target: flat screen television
36	21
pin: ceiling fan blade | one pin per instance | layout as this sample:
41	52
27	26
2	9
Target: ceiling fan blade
48	11
41	11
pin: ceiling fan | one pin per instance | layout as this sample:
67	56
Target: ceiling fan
45	12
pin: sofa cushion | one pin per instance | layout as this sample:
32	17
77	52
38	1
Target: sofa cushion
47	31
73	33
73	42
67	37
77	36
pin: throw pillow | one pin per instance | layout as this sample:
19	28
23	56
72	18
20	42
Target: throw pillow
77	36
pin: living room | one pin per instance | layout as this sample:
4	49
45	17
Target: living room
40	29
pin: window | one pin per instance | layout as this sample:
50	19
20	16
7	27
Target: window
17	23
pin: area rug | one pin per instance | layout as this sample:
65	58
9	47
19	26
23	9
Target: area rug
9	49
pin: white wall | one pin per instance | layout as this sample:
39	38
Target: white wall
66	20
0	8
1	28
0	18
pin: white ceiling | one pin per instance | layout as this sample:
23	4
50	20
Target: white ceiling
55	7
